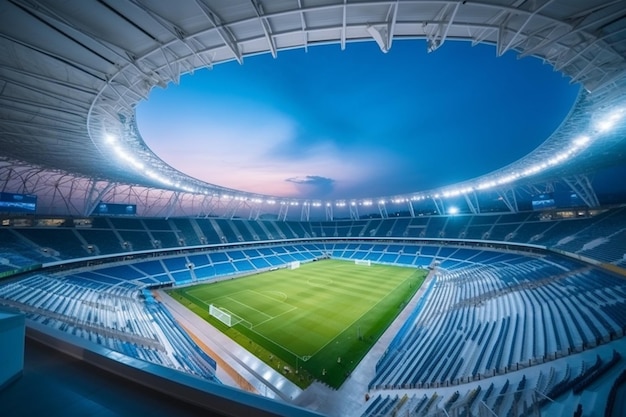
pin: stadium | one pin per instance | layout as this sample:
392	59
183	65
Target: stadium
128	287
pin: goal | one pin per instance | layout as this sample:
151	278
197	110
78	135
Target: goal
365	262
223	315
294	265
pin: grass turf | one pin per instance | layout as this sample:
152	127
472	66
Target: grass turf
321	318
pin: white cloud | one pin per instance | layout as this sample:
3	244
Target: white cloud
242	153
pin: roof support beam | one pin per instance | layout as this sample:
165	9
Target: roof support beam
305	212
608	79
255	212
305	35
206	206
392	16
411	208
559	66
94	196
354	211
586	69
343	24
439	206
267	30
63	33
383	35
171	204
234	206
91	72
66	196
472	202
23	75
39	106
124	55
120	52
382	209
329	212
222	30
6	178
439	35
511	43
575	28
581	185
509	199
283	210
64	128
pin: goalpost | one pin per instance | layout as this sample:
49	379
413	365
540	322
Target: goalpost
224	316
365	262
294	265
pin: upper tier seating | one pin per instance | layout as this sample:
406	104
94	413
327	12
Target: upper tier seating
602	237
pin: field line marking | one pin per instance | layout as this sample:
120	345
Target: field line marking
247	306
364	313
273	300
268	297
276	343
275	317
197	299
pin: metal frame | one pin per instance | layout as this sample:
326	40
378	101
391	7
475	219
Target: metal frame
67	85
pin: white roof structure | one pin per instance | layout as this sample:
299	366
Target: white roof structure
72	73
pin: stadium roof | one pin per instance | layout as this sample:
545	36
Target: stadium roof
72	72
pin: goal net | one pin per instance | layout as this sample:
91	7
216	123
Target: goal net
223	315
294	264
365	262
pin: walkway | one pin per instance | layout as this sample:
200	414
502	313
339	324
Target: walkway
265	380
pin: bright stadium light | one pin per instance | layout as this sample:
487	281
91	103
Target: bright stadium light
581	141
453	210
610	121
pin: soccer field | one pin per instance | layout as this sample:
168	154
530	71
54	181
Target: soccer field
321	318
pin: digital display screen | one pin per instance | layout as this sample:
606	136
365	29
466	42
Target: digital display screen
114	209
543	202
22	203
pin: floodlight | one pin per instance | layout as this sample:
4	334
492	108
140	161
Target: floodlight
610	121
581	140
453	210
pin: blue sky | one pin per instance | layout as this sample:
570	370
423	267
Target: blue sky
356	123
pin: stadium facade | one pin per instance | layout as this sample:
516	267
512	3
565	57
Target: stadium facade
72	73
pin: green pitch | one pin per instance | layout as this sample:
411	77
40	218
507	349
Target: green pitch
314	322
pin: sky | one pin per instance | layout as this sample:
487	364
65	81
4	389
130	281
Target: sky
333	124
